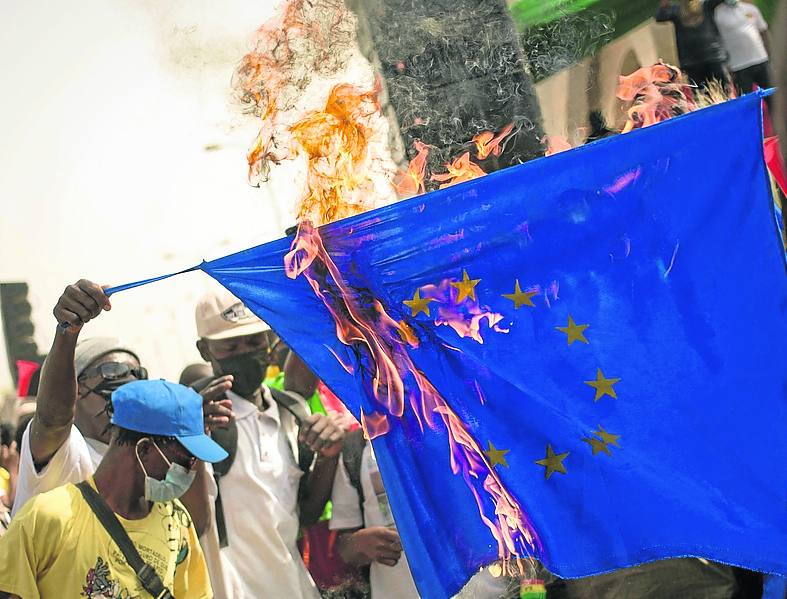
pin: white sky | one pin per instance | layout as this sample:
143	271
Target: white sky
105	111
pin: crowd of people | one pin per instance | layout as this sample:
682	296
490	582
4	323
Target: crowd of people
221	483
722	40
248	478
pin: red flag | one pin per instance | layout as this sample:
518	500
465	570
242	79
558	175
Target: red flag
26	370
773	158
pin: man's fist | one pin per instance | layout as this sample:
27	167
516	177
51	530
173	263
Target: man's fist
322	434
376	544
80	303
216	407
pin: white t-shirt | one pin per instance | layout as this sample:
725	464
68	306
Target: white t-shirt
387	582
259	495
75	460
740	25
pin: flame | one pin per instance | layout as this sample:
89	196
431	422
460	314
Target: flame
657	92
262	153
374	424
556	144
334	144
306	36
411	181
460	170
464	318
487	144
381	344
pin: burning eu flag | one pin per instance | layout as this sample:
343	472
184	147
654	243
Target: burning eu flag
580	358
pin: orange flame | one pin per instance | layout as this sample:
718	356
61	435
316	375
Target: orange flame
657	92
411	181
335	142
385	342
262	153
556	144
460	170
487	144
374	425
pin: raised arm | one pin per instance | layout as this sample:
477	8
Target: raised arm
298	377
57	389
324	436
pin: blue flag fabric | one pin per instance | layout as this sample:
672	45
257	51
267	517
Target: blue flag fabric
608	324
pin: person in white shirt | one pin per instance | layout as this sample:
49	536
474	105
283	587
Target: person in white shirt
745	36
367	534
69	434
281	465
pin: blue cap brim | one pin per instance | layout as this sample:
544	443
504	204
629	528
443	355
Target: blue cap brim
203	448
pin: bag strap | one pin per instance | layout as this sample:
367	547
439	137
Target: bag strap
300	412
352	453
145	573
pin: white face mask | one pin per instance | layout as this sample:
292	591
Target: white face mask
175	483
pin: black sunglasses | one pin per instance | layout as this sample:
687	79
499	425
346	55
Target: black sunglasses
115	371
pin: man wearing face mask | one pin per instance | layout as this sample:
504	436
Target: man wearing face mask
69	434
281	465
60	546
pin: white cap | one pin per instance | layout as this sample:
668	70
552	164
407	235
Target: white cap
221	315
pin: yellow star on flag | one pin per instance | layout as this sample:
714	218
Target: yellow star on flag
574	331
607	437
520	298
603	386
553	462
598	445
496	456
418	304
465	287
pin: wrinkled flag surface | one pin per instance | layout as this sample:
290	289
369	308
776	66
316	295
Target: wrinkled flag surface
609	326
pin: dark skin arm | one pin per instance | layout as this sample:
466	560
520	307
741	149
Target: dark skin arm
57	390
298	377
4	595
196	499
217	411
362	546
323	436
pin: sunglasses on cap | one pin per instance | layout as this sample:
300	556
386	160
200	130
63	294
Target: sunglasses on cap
115	371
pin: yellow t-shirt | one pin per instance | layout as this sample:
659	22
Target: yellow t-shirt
5	481
56	548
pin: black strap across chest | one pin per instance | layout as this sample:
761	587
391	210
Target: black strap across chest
145	573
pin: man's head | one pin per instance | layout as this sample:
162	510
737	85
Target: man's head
194	372
162	424
235	341
102	365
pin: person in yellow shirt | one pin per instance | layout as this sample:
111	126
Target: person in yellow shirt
56	547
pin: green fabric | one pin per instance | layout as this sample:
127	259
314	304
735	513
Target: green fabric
557	34
627	13
315	403
315	407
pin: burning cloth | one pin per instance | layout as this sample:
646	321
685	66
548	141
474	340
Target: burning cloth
579	359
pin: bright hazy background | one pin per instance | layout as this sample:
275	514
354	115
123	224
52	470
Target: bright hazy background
122	156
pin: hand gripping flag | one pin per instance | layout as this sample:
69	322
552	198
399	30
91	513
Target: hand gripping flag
581	358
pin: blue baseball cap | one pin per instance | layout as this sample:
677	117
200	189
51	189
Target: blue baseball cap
167	409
